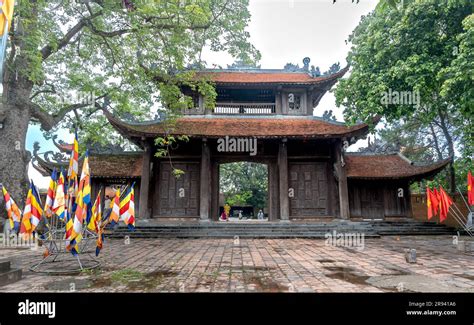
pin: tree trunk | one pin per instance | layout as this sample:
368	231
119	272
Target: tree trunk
449	140
14	158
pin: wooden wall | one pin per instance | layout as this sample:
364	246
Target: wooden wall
371	199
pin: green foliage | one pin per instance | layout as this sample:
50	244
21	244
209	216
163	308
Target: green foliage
244	183
424	47
66	49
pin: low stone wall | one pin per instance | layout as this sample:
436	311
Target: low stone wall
419	210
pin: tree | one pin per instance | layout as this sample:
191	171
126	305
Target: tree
419	143
68	59
403	56
244	183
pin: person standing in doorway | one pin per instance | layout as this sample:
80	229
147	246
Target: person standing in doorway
260	215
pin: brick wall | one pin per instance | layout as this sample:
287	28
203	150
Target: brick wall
419	210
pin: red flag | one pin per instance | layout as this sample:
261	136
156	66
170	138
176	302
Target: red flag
435	198
428	203
470	188
446	203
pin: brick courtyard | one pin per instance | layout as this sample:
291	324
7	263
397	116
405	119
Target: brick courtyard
260	265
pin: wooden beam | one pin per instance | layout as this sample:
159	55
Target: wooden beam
344	211
205	183
283	180
143	210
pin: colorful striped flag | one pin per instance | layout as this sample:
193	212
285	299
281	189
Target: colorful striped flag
59	205
7	15
73	170
127	208
115	213
14	214
83	200
96	217
100	240
48	206
36	210
70	201
25	227
6	18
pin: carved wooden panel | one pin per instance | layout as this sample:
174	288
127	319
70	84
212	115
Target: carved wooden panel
310	184
179	196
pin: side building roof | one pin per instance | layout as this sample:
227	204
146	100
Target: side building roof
389	166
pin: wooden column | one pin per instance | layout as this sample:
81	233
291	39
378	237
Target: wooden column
143	210
215	191
283	180
205	183
342	181
273	200
278	108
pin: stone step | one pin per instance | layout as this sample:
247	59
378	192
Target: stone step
281	230
10	276
4	265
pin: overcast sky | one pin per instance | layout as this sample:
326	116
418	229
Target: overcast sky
283	31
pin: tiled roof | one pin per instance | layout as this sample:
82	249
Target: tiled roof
388	166
290	127
126	165
256	77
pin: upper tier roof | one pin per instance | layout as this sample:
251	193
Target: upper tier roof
268	77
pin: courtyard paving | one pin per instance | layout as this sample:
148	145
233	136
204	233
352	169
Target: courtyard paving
259	265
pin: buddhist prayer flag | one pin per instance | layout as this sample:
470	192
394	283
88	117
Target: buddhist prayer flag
36	210
48	206
74	161
6	18
59	205
446	203
470	188
96	217
83	200
71	197
14	214
127	208
100	240
115	213
7	15
25	227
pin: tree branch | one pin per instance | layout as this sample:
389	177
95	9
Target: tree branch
48	50
48	121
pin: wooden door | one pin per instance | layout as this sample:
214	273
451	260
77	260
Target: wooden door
372	202
179	196
310	185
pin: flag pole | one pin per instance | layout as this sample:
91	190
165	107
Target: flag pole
465	202
459	220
